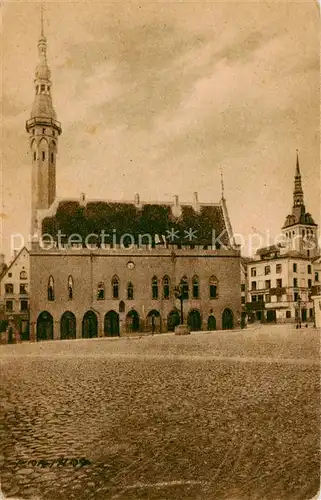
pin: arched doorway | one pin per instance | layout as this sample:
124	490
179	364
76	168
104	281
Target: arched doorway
194	320
111	324
173	320
89	325
153	322
68	326
227	319
132	321
44	326
211	323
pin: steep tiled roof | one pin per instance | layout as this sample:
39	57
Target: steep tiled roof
155	219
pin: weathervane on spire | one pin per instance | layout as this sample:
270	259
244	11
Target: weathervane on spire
41	14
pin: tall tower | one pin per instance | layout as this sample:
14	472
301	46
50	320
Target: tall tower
299	228
44	130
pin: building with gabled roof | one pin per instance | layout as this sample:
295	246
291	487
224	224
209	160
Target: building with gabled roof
14	297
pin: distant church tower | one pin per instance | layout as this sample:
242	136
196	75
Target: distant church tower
299	228
43	129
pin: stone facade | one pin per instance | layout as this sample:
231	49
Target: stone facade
90	272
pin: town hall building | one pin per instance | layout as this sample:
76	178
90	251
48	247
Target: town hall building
108	268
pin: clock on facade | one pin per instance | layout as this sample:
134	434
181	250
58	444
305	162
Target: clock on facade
130	265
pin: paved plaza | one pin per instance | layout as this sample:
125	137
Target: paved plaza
220	415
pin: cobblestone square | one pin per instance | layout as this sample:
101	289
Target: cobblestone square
221	415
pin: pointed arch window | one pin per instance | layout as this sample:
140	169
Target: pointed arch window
196	292
130	291
70	288
115	287
184	287
101	291
213	287
166	287
154	288
51	289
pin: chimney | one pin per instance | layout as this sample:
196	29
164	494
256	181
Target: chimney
176	207
196	204
137	200
83	199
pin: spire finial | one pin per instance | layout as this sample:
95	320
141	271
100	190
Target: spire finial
41	13
297	163
222	182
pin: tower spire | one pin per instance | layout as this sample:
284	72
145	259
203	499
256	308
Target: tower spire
297	172
222	183
44	129
298	200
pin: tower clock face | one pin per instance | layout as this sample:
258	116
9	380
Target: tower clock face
130	265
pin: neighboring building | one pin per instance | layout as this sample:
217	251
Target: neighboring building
108	268
14	296
280	277
316	291
244	288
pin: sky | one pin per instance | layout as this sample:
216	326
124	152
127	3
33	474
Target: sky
155	98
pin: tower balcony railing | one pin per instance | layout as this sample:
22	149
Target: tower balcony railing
43	120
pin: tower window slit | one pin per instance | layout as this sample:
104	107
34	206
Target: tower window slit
43	156
52	157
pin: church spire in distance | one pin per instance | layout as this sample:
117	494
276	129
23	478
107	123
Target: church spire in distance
298	200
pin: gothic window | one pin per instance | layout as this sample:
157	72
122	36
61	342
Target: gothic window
154	288
130	291
166	287
213	284
100	291
70	288
115	287
34	156
195	288
184	287
52	157
51	289
43	155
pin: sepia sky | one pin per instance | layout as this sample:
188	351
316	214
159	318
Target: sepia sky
154	97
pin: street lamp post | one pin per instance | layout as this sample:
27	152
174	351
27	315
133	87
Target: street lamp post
179	294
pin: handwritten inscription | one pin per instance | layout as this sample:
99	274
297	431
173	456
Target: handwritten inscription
57	462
